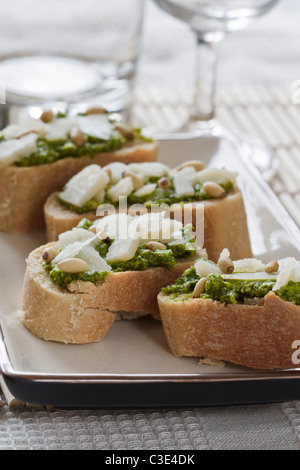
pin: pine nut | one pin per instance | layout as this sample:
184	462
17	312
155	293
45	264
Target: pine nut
95	110
199	287
155	246
109	173
26	133
125	131
213	189
102	234
226	265
197	164
49	254
47	116
77	136
164	183
272	267
72	265
136	181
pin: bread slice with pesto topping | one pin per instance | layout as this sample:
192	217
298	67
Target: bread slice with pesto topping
38	158
208	198
95	274
249	316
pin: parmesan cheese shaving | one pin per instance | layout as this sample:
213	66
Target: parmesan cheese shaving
184	181
123	188
85	185
204	268
13	150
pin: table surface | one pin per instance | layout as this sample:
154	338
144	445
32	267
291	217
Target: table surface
258	69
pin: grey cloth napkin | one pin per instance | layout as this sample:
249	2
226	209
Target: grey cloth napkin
258	427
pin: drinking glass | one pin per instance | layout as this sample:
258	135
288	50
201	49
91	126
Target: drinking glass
211	20
58	53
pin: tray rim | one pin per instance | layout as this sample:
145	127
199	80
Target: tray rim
8	370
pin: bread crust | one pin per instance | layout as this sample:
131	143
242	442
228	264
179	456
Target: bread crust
225	223
255	336
24	190
59	219
84	312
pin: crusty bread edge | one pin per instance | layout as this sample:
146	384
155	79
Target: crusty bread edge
59	219
84	312
255	336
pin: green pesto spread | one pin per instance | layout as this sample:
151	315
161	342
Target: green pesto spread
142	260
158	197
231	291
236	290
85	223
90	206
184	284
290	292
51	151
63	279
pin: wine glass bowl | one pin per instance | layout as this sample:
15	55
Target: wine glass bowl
217	16
211	21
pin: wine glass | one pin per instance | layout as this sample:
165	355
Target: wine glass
211	21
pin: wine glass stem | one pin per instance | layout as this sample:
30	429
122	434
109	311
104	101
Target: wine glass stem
207	61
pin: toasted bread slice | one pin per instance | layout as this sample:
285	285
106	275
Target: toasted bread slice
244	311
225	223
256	336
24	190
84	312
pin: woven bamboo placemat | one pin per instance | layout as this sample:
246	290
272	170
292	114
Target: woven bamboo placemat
263	111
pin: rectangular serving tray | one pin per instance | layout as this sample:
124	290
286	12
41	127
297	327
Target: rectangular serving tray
132	367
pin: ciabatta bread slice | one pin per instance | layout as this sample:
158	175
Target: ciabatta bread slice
84	312
222	222
256	336
77	287
258	333
225	223
24	190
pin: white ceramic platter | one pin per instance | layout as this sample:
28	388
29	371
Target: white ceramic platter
133	367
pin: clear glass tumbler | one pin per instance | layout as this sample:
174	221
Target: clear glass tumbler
62	52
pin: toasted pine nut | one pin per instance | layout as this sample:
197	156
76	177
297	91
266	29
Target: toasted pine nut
213	189
102	235
125	131
93	229
197	164
49	254
136	181
272	267
164	183
199	287
95	110
72	265
226	265
26	133
109	172
155	246
47	115
76	136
